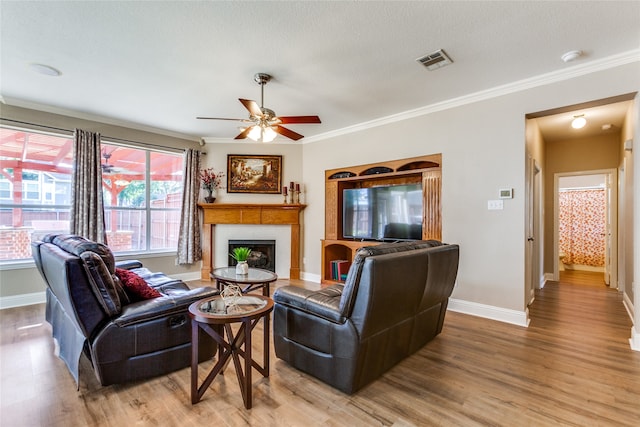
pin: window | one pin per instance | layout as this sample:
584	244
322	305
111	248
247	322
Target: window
142	197
32	165
5	188
142	191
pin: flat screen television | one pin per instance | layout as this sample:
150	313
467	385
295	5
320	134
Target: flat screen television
387	213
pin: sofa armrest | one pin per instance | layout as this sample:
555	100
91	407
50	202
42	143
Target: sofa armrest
323	303
154	308
128	264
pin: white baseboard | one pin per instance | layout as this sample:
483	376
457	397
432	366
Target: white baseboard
22	300
520	318
634	341
628	305
310	277
548	277
186	277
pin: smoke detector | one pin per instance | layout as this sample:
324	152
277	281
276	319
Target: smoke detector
571	56
435	60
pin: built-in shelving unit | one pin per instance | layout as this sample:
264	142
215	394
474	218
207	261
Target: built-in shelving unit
424	169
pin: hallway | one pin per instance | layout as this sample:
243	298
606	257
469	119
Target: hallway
582	278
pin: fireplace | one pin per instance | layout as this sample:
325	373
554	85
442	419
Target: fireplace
263	253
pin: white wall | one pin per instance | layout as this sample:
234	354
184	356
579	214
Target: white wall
483	149
291	166
291	171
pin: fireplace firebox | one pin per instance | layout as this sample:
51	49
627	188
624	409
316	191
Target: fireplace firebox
263	253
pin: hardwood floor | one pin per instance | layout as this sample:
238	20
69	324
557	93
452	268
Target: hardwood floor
571	366
582	278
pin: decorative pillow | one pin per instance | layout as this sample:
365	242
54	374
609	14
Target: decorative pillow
135	286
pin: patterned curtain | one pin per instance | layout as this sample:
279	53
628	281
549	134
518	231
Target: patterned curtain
87	210
582	226
189	248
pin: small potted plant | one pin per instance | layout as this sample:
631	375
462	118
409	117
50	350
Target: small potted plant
241	254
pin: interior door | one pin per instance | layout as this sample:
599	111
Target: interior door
532	272
611	227
608	229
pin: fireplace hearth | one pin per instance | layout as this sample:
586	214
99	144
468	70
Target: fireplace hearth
263	253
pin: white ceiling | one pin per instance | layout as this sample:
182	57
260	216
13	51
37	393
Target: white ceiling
159	65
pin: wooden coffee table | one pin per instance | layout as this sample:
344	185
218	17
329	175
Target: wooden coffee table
256	279
215	319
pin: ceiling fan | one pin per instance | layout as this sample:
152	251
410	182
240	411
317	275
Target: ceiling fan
109	168
264	125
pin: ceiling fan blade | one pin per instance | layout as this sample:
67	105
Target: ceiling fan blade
244	133
299	119
287	132
220	118
252	106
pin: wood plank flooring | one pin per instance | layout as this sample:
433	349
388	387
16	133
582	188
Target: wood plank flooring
582	278
572	366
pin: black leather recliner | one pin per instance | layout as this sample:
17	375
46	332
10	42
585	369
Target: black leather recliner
393	302
87	312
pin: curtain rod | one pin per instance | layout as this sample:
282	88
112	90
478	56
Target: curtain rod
104	136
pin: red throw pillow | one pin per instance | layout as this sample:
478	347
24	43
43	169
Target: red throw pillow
135	286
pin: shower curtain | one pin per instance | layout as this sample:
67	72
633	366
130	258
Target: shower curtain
582	226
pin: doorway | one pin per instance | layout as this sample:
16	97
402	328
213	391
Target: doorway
585	226
533	265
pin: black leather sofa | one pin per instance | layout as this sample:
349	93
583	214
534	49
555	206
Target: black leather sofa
393	302
89	313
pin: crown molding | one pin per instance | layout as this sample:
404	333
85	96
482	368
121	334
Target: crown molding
216	140
21	103
509	88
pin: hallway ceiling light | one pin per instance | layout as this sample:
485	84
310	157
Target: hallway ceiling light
578	122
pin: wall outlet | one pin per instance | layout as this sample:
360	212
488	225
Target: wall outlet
494	205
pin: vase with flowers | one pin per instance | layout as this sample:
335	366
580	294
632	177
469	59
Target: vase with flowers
211	181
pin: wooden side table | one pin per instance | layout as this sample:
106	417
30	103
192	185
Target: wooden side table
215	319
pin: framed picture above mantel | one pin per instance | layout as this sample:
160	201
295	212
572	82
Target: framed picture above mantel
247	173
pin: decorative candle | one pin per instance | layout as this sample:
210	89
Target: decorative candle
291	185
284	191
298	188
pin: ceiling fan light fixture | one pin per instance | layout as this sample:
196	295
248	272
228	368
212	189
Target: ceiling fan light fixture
578	122
265	125
261	134
268	134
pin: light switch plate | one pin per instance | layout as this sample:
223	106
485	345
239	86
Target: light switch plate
494	205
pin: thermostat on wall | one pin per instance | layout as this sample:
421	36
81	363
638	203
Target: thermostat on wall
506	193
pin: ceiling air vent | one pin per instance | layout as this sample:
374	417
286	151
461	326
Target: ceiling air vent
435	60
